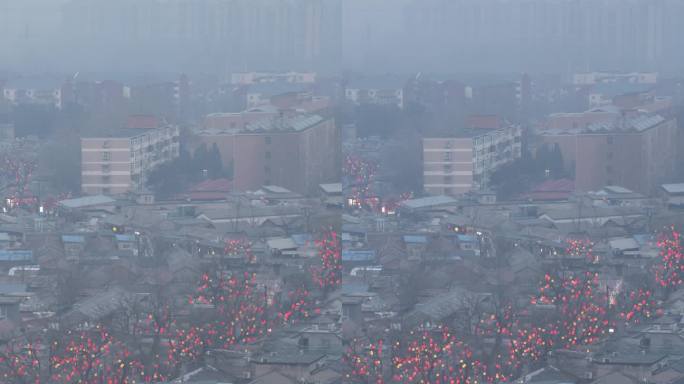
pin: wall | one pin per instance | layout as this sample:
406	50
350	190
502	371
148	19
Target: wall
434	162
638	161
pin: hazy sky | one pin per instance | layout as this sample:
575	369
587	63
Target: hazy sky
332	35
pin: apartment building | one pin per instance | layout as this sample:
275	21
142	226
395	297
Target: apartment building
297	152
591	78
636	152
247	78
34	90
465	161
120	162
386	90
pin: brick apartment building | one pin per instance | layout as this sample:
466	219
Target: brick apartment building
636	152
464	161
384	90
296	152
119	163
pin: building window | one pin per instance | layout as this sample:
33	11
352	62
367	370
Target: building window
106	179
448	180
267	139
609	139
448	168
106	191
267	170
609	169
610	155
447	156
106	156
106	167
268	154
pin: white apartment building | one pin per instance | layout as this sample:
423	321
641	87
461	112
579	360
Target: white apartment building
463	163
120	163
33	91
246	78
591	78
376	96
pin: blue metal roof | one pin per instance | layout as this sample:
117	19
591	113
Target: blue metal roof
620	88
16	255
644	239
415	239
10	288
86	201
125	237
73	239
466	238
358	255
302	239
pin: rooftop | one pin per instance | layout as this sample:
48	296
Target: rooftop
285	124
122	133
384	82
428	202
275	189
290	357
629	125
125	237
86	201
674	188
333	188
274	88
73	239
358	255
415	239
142	122
617	88
16	255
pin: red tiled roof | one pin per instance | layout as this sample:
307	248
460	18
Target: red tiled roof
561	185
142	122
209	190
218	185
483	122
206	196
560	189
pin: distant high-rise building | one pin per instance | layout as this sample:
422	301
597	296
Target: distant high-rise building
231	34
567	35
